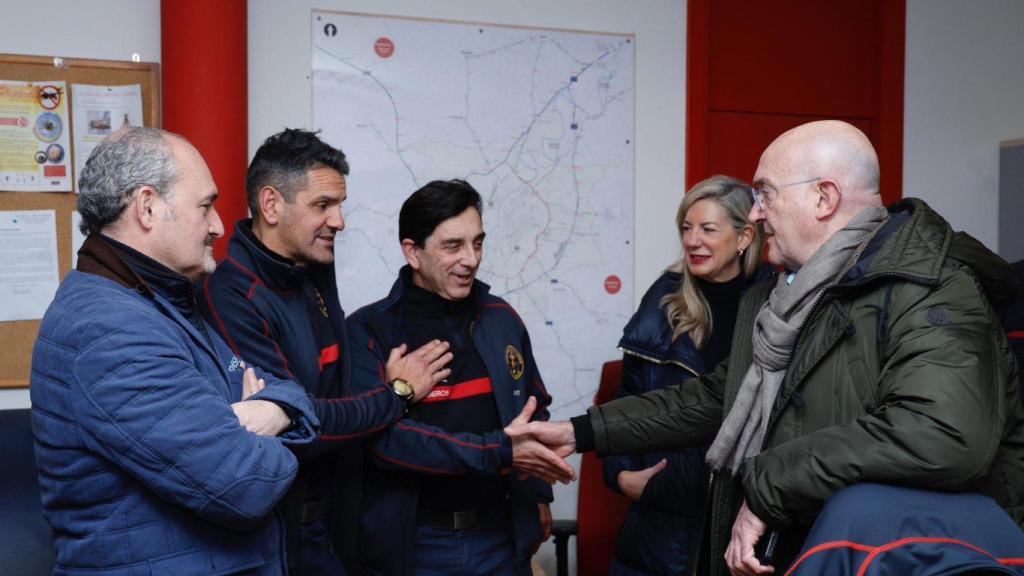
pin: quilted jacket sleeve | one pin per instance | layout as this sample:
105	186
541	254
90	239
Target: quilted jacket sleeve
291	397
142	402
677	416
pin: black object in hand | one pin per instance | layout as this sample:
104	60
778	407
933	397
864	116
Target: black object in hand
764	550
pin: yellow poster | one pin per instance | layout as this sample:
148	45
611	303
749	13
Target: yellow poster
34	137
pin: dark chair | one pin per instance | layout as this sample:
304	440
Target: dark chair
600	511
26	542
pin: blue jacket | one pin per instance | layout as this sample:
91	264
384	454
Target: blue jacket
659	530
255	301
876	529
409	448
143	466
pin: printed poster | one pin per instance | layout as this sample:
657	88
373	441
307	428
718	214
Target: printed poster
34	137
99	110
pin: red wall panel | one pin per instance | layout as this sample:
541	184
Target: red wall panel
781	57
205	87
756	69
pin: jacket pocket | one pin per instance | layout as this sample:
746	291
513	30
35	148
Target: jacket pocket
213	561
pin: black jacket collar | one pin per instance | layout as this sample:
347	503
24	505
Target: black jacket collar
278	272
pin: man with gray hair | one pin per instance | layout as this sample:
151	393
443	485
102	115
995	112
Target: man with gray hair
159	451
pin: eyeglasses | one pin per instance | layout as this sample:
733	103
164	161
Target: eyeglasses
761	197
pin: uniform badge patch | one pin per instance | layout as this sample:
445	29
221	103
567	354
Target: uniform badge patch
514	359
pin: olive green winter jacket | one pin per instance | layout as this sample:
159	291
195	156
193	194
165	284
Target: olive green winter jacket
901	375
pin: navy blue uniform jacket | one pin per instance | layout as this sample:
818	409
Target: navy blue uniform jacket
255	301
410	448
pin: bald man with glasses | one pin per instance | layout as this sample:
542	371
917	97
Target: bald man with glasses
876	396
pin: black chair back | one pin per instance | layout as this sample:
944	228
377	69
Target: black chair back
26	541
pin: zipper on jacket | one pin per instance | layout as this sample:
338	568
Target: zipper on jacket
705	524
654	360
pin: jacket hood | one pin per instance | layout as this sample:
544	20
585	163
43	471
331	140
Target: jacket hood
915	243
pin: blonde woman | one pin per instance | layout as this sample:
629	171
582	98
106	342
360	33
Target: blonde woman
682	329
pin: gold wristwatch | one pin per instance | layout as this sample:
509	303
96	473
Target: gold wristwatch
403	389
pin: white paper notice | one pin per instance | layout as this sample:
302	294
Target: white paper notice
99	110
77	238
28	263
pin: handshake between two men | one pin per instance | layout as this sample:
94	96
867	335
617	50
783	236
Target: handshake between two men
540	448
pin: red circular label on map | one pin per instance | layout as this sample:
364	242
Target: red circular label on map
612	284
384	47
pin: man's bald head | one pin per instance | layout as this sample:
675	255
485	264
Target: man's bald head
831	150
813	180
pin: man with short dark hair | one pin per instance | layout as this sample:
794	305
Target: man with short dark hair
275	299
447	490
148	462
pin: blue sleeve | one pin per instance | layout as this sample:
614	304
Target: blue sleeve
142	403
536	387
414	446
296	403
248	331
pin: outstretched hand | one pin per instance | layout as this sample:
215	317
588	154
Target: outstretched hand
559	437
532	457
422	368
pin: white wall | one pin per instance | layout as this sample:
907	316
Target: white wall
279	68
964	93
101	29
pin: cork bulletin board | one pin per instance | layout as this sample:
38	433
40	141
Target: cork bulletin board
18	337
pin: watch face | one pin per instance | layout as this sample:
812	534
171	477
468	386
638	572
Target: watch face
403	389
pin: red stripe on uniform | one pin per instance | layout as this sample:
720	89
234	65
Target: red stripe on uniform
828	546
915	540
329	355
1015	334
459	391
875	551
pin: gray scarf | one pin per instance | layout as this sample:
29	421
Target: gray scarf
775	331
